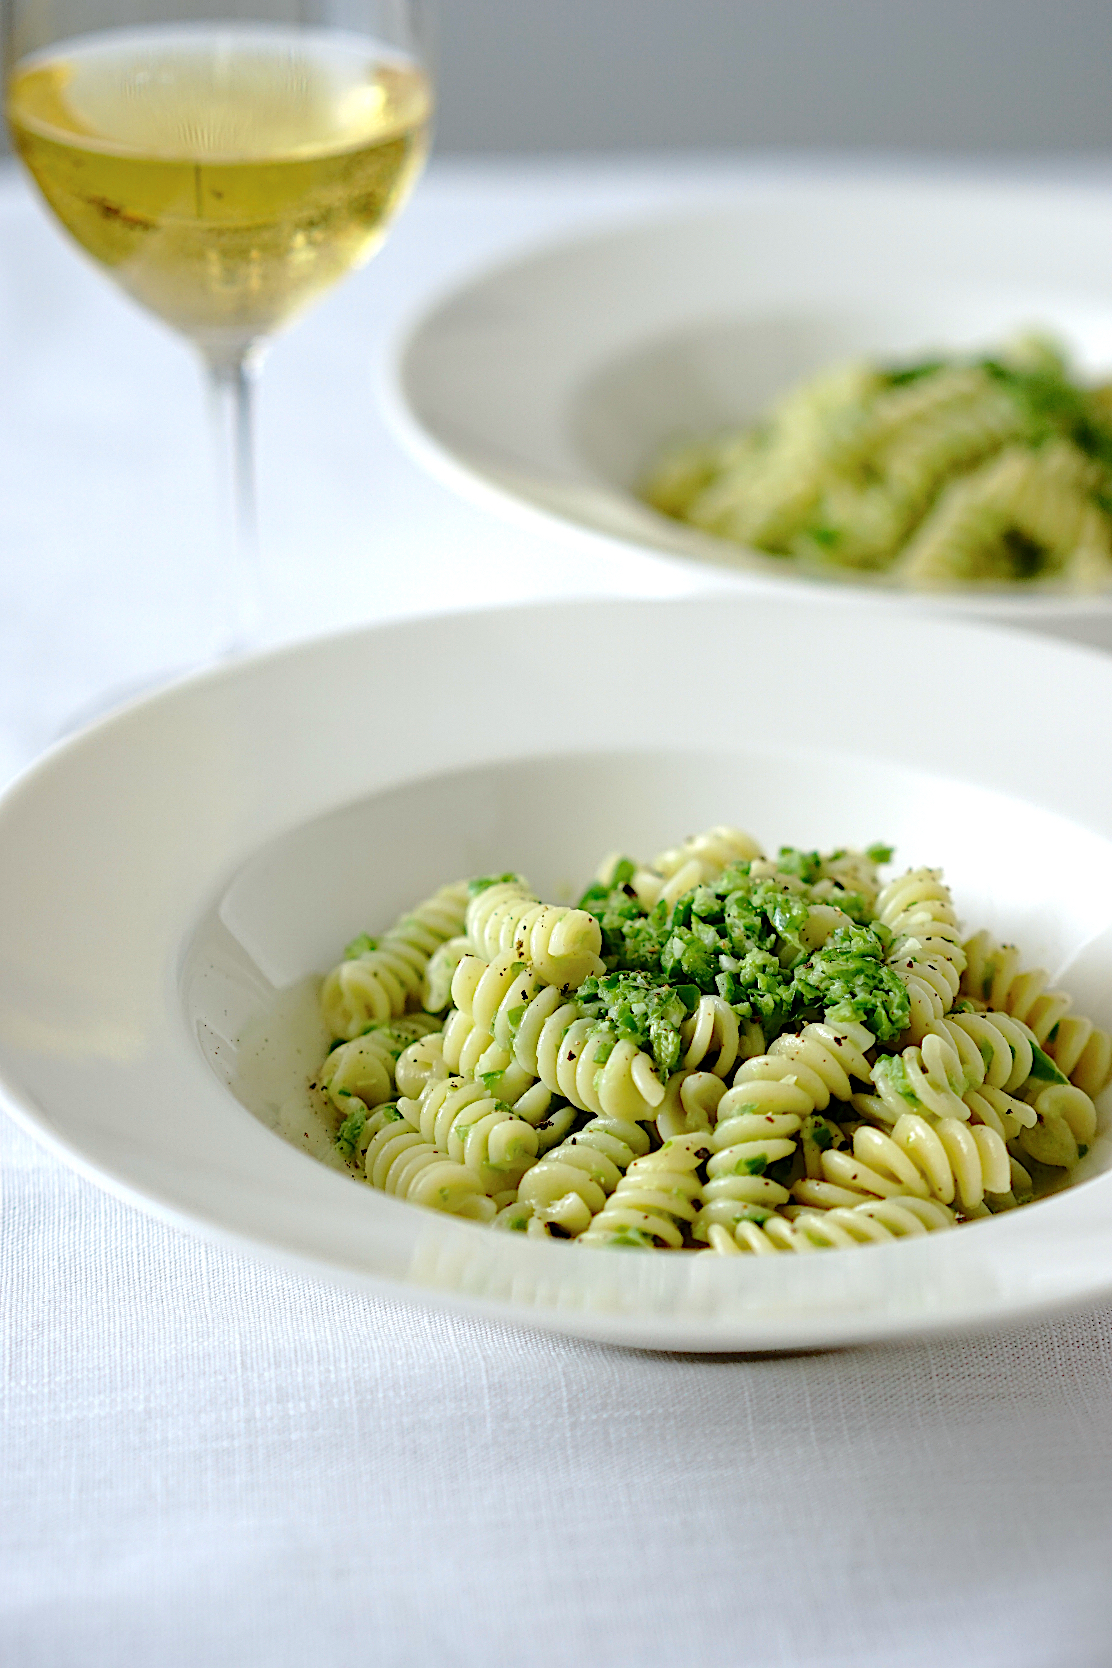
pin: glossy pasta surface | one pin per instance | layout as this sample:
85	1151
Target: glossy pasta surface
714	1051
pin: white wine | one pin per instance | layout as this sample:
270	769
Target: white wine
224	175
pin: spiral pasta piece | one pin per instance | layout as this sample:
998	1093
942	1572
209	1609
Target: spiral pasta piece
957	1054
1003	1043
436	990
465	1121
744	1144
1043	497
761	1115
560	945
696	861
926	952
379	984
918	896
701	858
873	1222
580	1058
824	1058
570	1185
1064	1126
1000	1111
929	1077
712	1033
399	1161
419	1064
363	991
591	1067
946	1159
690	1104
930	982
994	975
1082	1052
762	493
914	448
509	1023
657	1198
364	1068
919	899
478	1032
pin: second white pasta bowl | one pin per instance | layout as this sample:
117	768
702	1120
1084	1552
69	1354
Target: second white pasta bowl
547	387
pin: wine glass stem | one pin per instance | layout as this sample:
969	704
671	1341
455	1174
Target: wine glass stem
231	387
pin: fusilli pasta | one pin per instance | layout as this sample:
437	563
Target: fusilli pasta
721	1050
872	1222
571	1183
987	471
560	945
656	1200
994	977
398	1161
462	1119
381	978
364	1068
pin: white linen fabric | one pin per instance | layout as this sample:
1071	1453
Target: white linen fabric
209	1460
205	1459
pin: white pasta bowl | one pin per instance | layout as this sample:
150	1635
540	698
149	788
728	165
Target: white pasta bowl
168	878
547	387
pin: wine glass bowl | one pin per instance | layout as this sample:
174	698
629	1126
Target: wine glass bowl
223	176
224	171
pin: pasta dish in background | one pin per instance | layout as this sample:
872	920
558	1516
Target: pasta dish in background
948	472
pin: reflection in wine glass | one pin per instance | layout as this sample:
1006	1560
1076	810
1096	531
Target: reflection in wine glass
225	170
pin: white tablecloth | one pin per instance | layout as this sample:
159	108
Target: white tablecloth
207	1461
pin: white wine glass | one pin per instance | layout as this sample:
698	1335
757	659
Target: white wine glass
225	161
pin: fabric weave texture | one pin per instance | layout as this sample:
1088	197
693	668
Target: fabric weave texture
209	1459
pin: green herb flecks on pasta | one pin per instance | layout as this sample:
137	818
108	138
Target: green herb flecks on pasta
849	979
947	472
714	1051
750	939
642	1009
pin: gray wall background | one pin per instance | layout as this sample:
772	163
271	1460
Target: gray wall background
922	75
927	76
